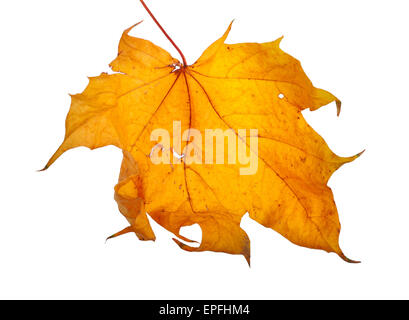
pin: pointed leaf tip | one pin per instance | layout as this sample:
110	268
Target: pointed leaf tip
359	154
248	260
131	27
346	259
338	104
119	233
43	169
226	33
278	40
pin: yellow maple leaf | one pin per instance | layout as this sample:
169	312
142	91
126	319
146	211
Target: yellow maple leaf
232	89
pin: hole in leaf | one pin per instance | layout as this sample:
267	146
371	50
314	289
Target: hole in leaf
193	232
176	67
177	155
280	95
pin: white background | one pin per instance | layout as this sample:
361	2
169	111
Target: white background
53	224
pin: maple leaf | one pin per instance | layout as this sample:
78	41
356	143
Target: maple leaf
231	87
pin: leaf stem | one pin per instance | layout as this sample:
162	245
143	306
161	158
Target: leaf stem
165	33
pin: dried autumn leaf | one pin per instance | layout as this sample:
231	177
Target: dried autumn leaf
231	87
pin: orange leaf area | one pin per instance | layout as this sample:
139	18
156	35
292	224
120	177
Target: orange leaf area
230	87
